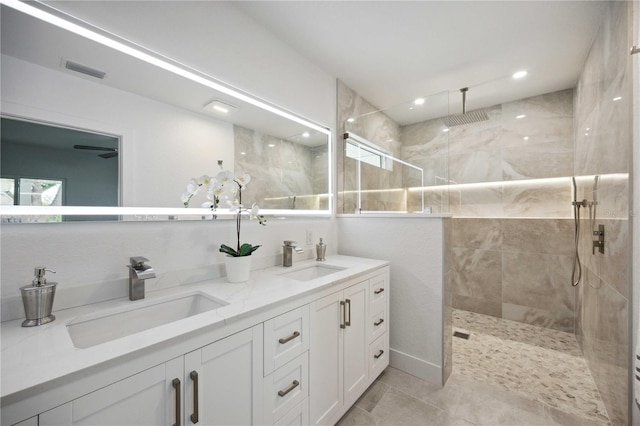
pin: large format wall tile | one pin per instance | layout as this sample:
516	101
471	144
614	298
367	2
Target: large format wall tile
551	236
541	281
483	234
476	273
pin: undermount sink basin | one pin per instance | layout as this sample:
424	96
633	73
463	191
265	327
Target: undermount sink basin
312	272
94	329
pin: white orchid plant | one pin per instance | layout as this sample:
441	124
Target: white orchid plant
226	187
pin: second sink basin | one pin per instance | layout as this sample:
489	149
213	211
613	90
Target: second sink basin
94	329
312	272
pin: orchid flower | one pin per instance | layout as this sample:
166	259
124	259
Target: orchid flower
225	186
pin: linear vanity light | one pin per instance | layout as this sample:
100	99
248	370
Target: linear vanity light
181	70
149	212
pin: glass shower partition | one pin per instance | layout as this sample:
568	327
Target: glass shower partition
383	183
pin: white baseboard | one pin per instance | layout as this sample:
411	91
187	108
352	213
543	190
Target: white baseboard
416	367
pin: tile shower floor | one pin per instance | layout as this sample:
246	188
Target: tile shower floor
506	373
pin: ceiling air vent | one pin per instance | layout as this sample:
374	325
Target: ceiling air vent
83	69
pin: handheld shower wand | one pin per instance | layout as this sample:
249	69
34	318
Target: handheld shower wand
576	272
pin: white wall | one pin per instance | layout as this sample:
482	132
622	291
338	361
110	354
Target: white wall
91	257
415	247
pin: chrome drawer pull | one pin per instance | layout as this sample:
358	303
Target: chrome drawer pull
377	323
379	354
291	387
176	386
287	339
378	291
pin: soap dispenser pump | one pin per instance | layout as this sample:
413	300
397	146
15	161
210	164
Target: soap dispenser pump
37	299
321	248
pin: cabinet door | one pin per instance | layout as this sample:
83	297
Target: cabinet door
325	358
147	398
356	345
228	379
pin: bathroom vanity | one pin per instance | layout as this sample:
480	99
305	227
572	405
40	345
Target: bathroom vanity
291	346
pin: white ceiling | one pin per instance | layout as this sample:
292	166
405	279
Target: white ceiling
391	52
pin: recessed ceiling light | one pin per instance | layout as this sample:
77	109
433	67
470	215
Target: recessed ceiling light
520	116
271	145
419	101
220	107
519	74
306	135
617	98
243	153
526	138
445	130
351	120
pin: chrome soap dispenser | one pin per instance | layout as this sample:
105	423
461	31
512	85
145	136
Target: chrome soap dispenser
37	299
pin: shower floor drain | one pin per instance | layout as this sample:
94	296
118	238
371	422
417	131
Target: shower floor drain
461	335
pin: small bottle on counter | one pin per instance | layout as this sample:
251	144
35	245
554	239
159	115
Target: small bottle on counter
321	248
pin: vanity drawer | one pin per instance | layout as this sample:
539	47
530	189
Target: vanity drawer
378	292
286	388
298	416
285	337
378	356
377	325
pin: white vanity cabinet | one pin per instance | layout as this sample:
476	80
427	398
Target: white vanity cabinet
218	384
340	348
295	361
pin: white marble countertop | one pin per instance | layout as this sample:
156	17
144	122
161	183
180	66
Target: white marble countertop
32	356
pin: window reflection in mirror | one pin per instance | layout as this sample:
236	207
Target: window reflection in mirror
45	165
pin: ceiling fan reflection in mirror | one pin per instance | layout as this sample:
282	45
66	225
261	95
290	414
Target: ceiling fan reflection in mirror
110	152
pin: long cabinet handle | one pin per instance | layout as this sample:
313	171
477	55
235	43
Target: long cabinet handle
288	339
343	314
378	291
289	388
377	323
379	354
195	415
348	322
177	387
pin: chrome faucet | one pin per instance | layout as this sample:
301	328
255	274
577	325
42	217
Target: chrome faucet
138	272
287	252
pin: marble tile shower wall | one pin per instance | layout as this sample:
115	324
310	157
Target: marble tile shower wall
375	127
515	268
499	153
284	168
602	147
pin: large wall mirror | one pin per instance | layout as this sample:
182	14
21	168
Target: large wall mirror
70	102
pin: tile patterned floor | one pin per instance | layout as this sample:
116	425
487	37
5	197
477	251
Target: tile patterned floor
505	374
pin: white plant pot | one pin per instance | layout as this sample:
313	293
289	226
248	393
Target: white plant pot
238	268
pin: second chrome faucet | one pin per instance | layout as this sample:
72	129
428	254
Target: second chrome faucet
287	252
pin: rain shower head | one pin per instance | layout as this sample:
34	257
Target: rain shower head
466	117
